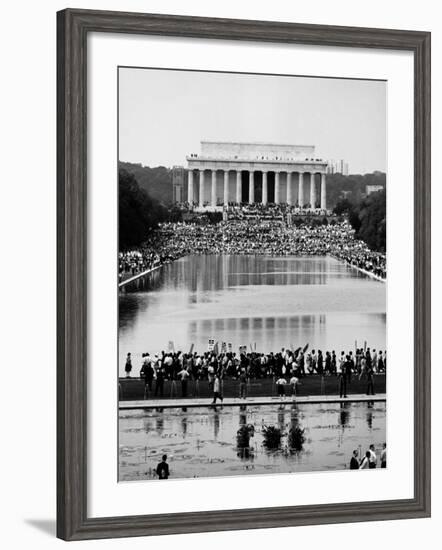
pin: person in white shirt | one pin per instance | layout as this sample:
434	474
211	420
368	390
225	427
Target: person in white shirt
280	384
374	361
183	375
373	457
210	375
365	462
217	390
294	385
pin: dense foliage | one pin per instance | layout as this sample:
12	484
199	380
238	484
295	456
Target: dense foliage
353	187
156	181
138	211
272	437
368	219
296	438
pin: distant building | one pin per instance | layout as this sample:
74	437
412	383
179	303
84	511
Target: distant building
369	189
337	167
178	183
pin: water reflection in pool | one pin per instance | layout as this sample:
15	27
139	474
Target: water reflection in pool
273	301
202	442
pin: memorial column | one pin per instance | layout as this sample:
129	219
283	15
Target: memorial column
201	188
238	186
190	186
213	202
226	187
323	192
265	192
312	190
289	188
251	187
276	187
301	190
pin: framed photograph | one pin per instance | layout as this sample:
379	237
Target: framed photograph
243	274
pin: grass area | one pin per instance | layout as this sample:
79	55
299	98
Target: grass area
133	388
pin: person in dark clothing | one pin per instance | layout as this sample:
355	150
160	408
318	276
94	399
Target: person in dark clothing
354	462
368	358
163	468
349	367
370	381
159	386
343	378
128	366
147	372
320	363
333	362
242	384
328	363
301	365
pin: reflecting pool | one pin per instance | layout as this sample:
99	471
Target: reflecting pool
272	302
202	441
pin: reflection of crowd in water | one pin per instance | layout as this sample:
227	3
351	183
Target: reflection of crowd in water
285	367
263	237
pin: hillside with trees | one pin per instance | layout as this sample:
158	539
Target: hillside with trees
139	213
156	181
368	219
352	187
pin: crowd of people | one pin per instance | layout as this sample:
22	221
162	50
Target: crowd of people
369	460
270	211
281	366
263	237
133	262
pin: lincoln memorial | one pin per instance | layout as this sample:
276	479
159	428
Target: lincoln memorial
227	172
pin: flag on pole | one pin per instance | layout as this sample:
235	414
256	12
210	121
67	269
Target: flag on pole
191	349
305	348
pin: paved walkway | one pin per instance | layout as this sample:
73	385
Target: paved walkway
235	401
138	275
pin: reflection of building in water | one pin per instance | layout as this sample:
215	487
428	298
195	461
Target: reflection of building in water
259	330
231	172
242	415
369	415
344	414
281	417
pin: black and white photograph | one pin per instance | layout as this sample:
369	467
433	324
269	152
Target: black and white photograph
252	274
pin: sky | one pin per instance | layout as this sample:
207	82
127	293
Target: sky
165	114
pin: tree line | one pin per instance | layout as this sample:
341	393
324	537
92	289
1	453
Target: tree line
139	213
368	218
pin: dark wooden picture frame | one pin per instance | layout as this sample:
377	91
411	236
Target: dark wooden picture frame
73	27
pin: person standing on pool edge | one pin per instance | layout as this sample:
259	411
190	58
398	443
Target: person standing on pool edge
128	366
163	468
217	390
